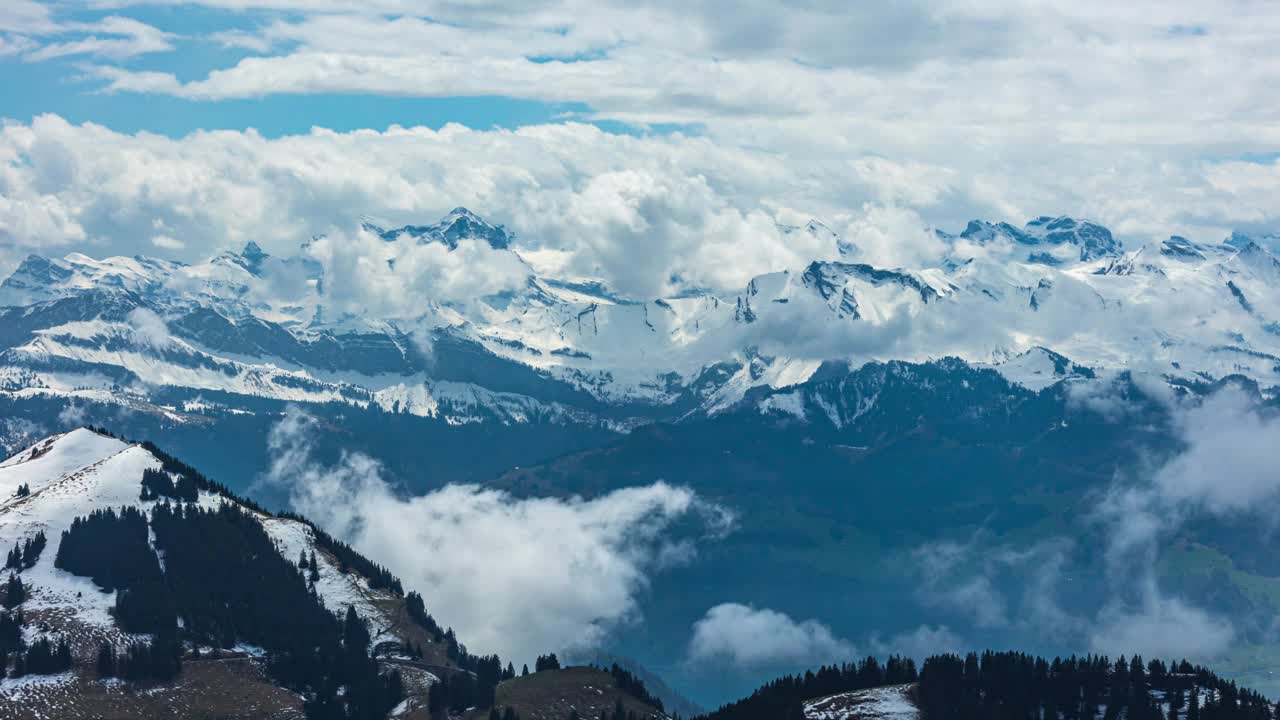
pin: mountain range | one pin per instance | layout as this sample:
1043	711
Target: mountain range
1031	302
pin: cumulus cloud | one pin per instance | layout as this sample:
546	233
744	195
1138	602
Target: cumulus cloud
880	121
645	214
1014	108
517	576
365	274
747	636
650	215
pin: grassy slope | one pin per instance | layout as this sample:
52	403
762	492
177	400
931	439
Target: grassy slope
1253	664
549	695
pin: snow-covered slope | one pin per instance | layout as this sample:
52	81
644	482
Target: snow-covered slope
571	350
72	474
892	702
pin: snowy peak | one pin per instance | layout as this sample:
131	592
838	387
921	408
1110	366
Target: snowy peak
1240	240
38	278
1182	249
1254	260
823	234
37	272
1085	239
826	277
253	257
460	224
1093	240
982	232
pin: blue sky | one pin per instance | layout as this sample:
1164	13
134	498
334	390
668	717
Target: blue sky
60	86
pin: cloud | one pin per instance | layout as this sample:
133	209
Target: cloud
1224	467
149	328
111	37
517	576
166	242
364	274
920	643
753	637
997	587
645	214
72	415
1160	626
1021	108
1229	464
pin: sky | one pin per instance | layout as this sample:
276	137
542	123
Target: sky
620	131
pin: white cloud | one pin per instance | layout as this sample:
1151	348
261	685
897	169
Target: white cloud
879	121
149	328
1229	464
638	212
167	242
517	576
644	213
920	643
25	16
72	415
753	637
996	92
365	274
112	37
1161	626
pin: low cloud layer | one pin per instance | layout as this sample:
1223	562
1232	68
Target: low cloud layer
748	637
515	576
1229	465
1224	469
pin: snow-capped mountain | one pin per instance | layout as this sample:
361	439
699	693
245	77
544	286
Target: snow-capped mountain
558	349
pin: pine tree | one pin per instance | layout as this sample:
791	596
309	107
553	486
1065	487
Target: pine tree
15	593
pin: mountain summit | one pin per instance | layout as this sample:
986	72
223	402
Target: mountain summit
460	224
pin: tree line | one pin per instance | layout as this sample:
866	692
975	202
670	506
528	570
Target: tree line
1018	686
26	554
226	581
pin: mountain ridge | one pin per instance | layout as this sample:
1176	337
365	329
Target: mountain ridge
570	350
